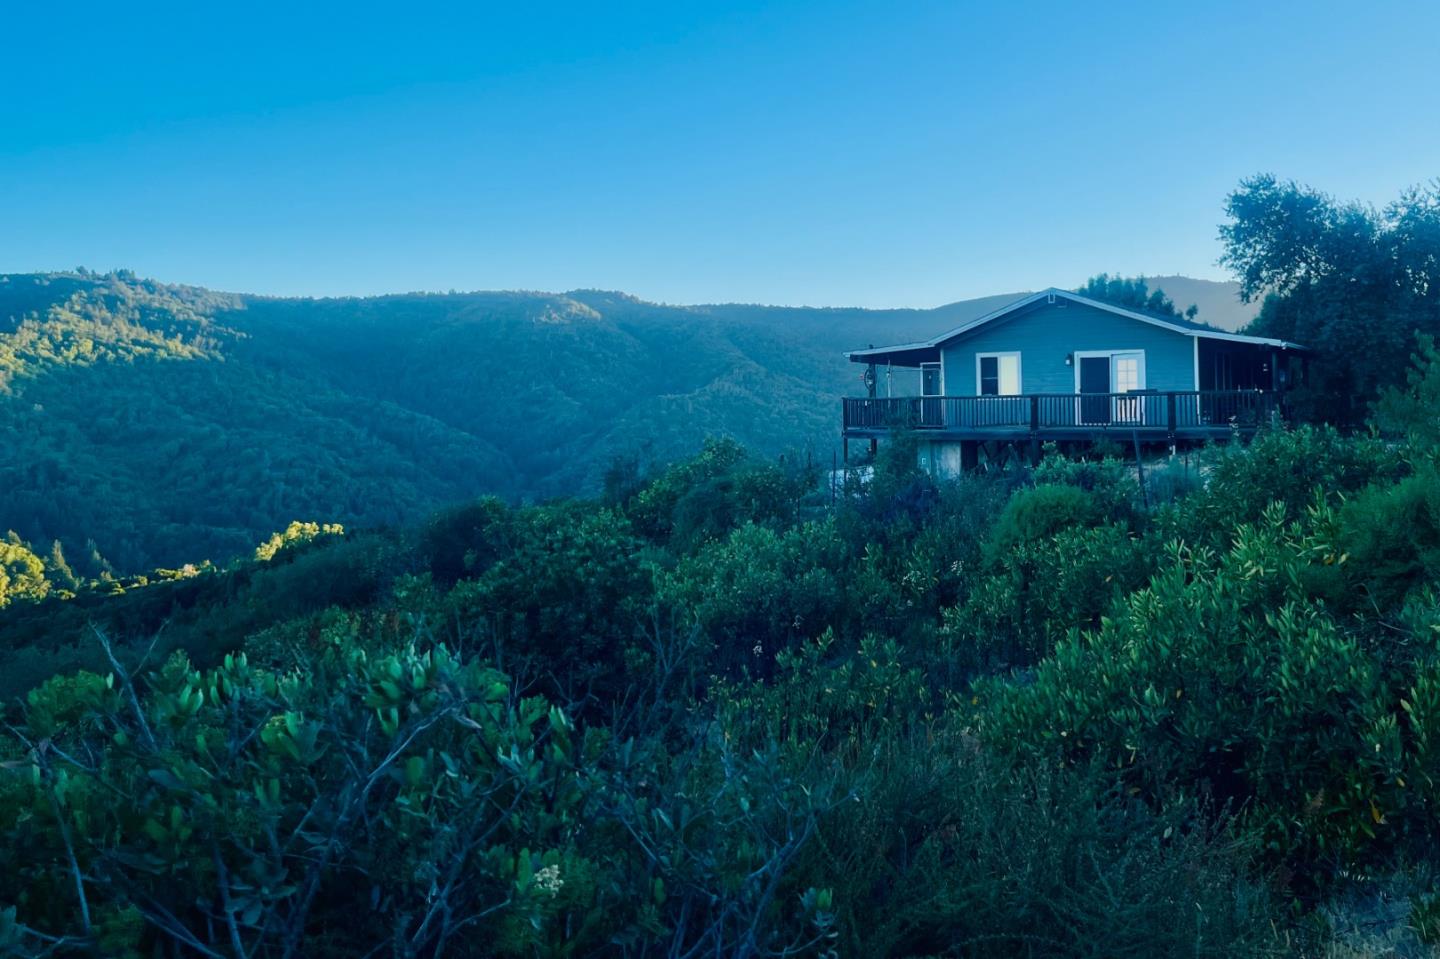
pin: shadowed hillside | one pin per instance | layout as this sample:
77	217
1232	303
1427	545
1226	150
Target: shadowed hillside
146	424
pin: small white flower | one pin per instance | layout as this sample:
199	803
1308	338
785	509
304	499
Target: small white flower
548	880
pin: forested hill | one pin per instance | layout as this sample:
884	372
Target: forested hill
146	424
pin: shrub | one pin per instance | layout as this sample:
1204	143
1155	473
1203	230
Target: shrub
1040	512
1411	412
652	509
1228	675
564	602
758	591
903	577
467	540
929	845
1041	590
393	796
1112	481
1284	466
1392	533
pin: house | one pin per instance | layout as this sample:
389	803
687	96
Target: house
1057	366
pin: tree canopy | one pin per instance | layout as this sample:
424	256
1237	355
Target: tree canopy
1354	283
1135	294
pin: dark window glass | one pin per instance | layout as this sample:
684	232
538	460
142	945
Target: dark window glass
989	376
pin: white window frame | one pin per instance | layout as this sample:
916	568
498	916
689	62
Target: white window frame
1019	371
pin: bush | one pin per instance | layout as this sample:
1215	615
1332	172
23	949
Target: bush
1228	675
1284	466
466	541
929	845
1112	481
564	602
1041	512
652	508
238	805
1392	533
903	577
758	592
1042	590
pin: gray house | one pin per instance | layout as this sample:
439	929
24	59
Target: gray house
1059	366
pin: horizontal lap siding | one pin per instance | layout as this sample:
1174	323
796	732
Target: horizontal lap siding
1045	333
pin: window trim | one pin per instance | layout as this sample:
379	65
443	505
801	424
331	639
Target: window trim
1019	372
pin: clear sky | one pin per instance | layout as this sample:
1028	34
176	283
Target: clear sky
873	154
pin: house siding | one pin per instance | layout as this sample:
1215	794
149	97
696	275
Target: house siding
1045	333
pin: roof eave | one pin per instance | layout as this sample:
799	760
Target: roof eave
869	355
1253	340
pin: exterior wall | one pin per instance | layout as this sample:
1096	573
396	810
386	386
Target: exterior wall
941	458
1045	333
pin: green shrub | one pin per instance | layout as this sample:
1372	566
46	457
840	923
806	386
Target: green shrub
467	540
1037	592
1392	533
1112	481
239	806
758	592
904	575
1284	466
1041	512
1228	675
929	845
1411	412
652	508
564	602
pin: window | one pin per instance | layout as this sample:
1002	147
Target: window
998	374
1127	373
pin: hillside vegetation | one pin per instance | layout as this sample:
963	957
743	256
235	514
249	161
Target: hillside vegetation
723	707
714	712
145	424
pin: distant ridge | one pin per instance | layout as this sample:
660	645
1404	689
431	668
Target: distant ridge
1219	301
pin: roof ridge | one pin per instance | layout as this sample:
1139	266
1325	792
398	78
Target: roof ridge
1175	324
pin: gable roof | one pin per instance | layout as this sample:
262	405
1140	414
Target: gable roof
1173	323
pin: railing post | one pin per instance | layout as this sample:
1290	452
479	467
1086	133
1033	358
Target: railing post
1034	414
1170	413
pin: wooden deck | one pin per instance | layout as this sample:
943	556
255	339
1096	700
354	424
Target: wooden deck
1152	416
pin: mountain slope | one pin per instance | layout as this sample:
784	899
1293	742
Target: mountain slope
1219	303
146	424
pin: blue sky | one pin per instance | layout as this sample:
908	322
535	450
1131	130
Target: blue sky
872	154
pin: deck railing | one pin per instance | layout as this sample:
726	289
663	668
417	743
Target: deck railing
1169	412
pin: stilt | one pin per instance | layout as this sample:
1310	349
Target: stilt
1140	468
969	456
